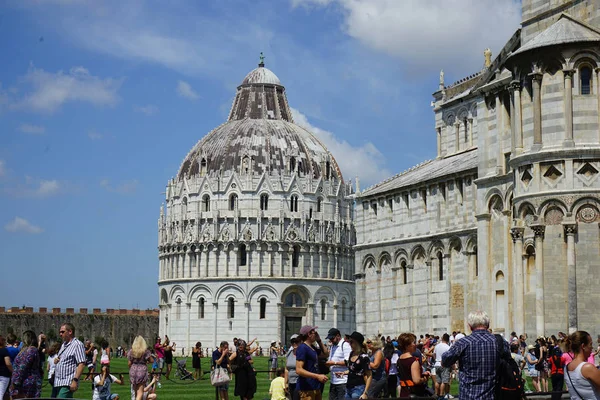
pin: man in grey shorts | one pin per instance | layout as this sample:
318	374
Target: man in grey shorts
442	383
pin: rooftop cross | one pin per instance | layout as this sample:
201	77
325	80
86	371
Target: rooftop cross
262	60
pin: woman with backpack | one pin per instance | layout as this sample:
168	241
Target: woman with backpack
557	372
377	365
411	380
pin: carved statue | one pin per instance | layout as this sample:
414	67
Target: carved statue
442	78
487	54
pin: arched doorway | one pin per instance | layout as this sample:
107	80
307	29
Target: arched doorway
294	310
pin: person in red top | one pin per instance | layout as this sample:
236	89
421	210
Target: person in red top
557	372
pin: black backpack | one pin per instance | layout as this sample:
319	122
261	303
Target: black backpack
509	382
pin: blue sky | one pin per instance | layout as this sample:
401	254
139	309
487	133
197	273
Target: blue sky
101	101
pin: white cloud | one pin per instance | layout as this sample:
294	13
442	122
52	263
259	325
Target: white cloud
185	90
47	188
21	225
149	109
430	34
35	188
2	168
365	161
49	91
95	135
32	129
123	188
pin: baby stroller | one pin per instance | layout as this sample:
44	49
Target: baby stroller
181	372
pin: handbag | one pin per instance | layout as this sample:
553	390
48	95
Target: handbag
219	377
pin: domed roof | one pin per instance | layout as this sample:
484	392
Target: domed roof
261	75
260	137
256	146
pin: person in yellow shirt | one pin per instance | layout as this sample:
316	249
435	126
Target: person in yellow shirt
277	389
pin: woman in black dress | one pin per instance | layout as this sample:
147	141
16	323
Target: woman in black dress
245	377
196	354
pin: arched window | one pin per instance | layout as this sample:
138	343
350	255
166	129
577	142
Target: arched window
184	207
323	307
585	80
201	303
264	201
476	266
292	165
299	172
231	308
203	167
293	300
206	203
245	165
243	255
178	308
440	258
294	203
327	170
233	202
404	273
295	257
319	205
263	308
343	309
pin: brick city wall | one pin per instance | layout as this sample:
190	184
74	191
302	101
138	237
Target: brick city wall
119	327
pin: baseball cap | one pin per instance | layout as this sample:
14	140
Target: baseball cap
306	329
294	336
332	333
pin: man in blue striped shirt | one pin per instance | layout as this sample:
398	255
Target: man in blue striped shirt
477	356
69	362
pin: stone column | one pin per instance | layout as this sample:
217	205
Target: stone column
206	259
281	273
311	274
536	82
457	134
499	134
215	324
291	262
570	230
518	122
247	305
335	315
395	303
321	269
270	260
519	303
568	74
470	133
301	263
234	262
248	261
439	142
279	321
310	314
539	230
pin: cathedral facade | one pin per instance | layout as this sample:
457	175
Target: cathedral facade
255	238
506	218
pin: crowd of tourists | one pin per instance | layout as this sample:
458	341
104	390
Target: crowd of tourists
353	367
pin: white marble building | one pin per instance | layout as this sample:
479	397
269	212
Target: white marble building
506	217
255	239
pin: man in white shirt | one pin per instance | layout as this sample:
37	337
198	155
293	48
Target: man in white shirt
337	363
442	384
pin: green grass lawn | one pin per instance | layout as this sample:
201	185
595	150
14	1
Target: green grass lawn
175	389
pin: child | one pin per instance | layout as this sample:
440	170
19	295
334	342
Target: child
277	389
52	354
102	384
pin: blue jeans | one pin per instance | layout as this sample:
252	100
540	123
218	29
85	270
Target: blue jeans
354	392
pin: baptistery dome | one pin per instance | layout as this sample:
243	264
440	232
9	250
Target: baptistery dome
260	137
257	222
